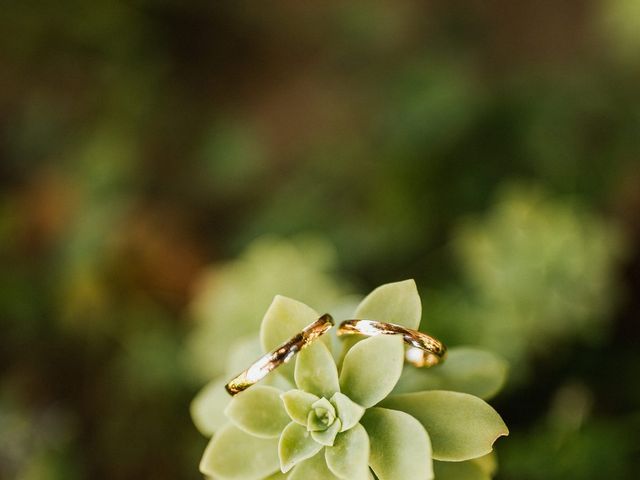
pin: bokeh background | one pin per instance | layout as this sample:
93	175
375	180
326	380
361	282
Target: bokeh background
166	167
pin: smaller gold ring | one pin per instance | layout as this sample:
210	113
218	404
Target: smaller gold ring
280	355
425	350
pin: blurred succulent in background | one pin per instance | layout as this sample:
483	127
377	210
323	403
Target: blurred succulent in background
322	418
36	444
535	270
231	299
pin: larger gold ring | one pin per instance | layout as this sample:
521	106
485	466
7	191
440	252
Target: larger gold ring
280	355
425	350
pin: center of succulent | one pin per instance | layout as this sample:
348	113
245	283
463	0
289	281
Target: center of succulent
321	416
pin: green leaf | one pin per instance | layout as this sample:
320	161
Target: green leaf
371	369
296	445
313	469
460	425
397	303
235	455
297	404
400	446
348	411
468	370
259	411
207	409
284	318
468	470
316	371
328	436
348	458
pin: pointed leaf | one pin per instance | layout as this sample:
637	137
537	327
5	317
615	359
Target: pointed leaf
316	371
285	318
461	426
397	303
400	446
468	370
348	411
297	404
207	409
371	369
235	455
349	456
259	411
313	469
296	445
328	436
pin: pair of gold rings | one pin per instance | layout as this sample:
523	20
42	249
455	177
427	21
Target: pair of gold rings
424	351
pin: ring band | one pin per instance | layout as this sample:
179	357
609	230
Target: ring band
425	350
280	355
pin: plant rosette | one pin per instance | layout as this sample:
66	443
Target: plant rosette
359	417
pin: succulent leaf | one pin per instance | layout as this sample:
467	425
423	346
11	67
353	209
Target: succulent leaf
207	408
372	368
295	445
235	455
397	303
460	425
348	458
349	412
400	446
259	411
297	404
316	371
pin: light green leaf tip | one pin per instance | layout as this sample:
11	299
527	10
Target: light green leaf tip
371	369
460	425
259	411
348	458
297	404
316	371
296	444
348	411
397	303
235	455
207	408
400	446
284	318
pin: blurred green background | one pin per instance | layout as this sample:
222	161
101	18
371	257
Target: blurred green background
167	167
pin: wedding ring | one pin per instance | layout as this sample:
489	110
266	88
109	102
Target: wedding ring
424	351
280	355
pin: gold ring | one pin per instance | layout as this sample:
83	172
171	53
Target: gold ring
280	355
425	350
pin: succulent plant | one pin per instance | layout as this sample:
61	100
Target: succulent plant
328	418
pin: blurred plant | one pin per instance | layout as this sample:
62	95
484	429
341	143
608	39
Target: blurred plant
620	22
569	442
341	418
36	444
535	271
223	311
